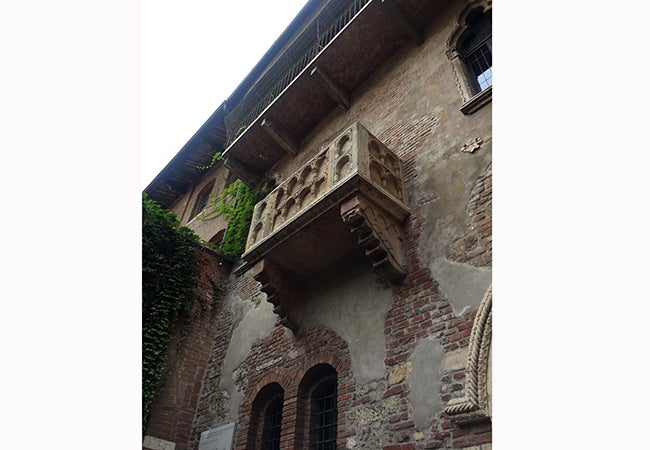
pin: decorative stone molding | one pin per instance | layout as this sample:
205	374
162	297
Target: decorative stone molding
476	404
472	145
472	99
379	235
354	157
477	101
461	28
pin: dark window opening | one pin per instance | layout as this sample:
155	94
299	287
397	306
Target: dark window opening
272	425
324	415
477	49
265	426
202	200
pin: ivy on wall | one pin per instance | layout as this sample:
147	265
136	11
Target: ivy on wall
235	204
169	280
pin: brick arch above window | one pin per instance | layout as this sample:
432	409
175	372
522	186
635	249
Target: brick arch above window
258	397
273	364
273	375
475	88
264	429
318	408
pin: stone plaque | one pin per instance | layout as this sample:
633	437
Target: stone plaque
219	438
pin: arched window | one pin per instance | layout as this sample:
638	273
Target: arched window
470	51
477	48
272	424
317	409
266	418
202	200
218	237
323	415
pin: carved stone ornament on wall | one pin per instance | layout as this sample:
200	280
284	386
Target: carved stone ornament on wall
476	404
472	145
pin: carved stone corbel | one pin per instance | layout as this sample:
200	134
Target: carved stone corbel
475	405
379	234
282	289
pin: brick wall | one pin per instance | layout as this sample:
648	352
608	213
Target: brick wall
174	408
213	401
475	247
292	358
410	104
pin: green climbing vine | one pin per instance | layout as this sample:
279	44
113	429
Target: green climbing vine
216	157
169	275
235	204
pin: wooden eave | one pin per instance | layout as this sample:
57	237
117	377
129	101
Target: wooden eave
187	166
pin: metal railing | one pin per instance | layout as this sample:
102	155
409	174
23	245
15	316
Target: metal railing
330	21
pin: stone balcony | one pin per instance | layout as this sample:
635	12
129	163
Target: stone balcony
350	195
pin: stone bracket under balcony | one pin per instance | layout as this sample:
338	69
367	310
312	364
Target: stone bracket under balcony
379	234
350	195
283	290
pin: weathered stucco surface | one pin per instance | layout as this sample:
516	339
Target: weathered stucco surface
424	382
255	320
423	93
412	105
346	298
449	181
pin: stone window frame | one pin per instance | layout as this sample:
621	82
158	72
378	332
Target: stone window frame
476	405
472	97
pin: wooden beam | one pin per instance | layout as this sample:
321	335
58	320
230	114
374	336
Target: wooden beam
404	22
242	172
282	137
336	92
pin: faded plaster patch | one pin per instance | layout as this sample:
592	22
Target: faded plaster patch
442	192
257	322
347	299
454	360
424	392
462	284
